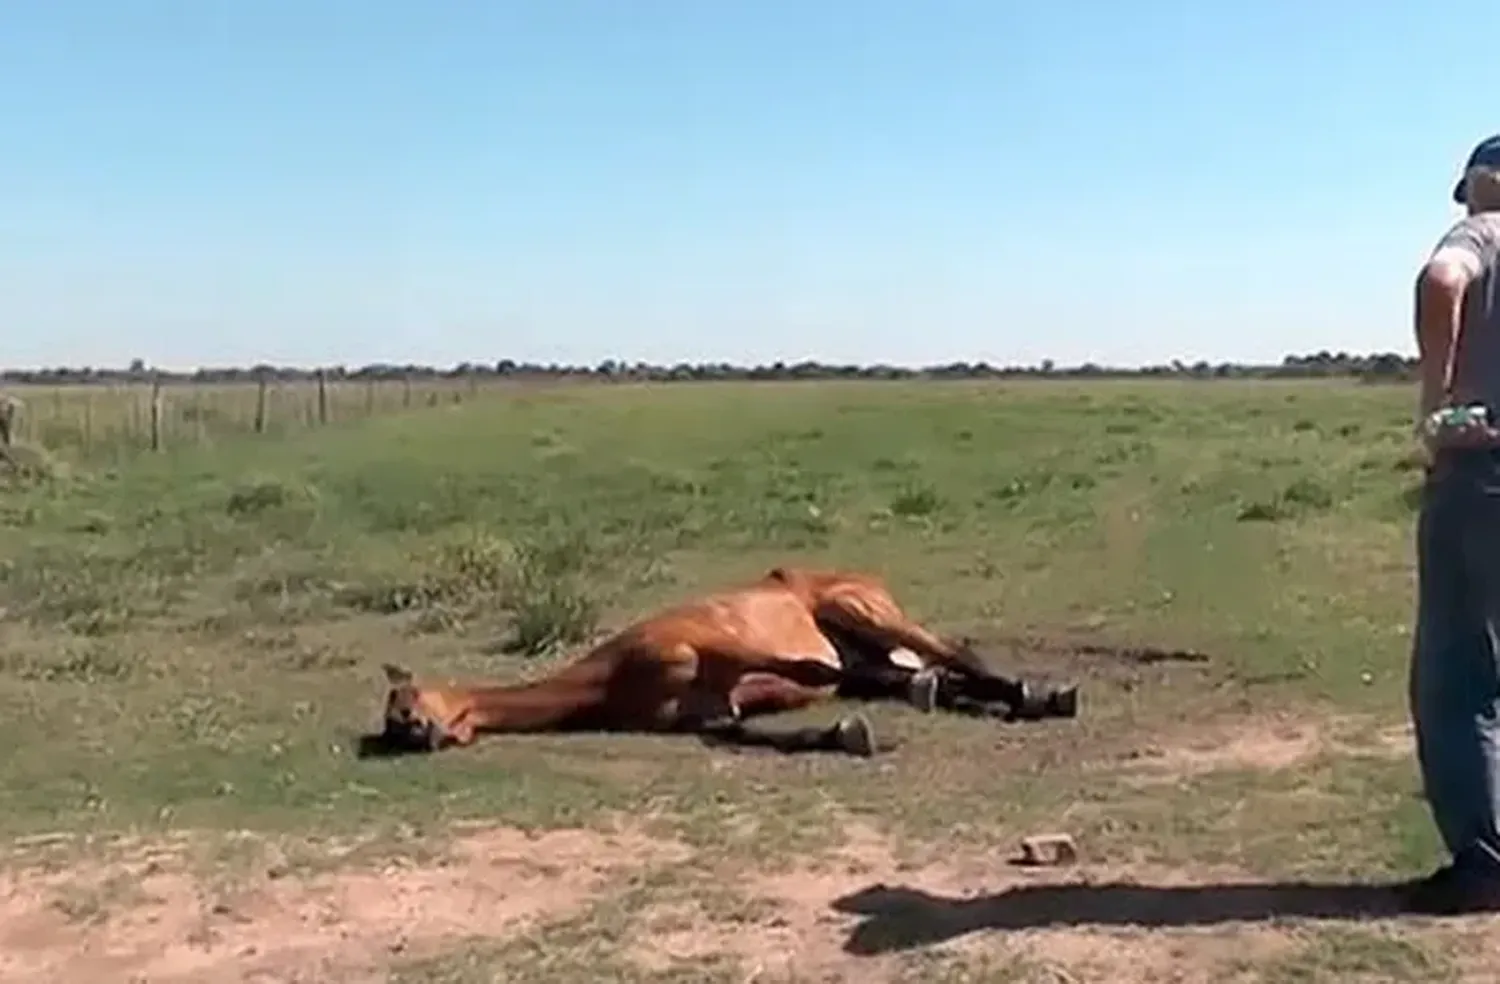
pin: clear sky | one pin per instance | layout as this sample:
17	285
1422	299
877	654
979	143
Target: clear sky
211	182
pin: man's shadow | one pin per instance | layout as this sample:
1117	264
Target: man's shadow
901	918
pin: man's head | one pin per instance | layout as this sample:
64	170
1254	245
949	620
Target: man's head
1478	187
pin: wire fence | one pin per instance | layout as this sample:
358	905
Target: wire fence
92	422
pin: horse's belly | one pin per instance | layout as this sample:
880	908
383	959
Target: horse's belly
782	644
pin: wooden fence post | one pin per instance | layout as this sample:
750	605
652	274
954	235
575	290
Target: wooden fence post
88	421
260	403
10	417
322	397
156	413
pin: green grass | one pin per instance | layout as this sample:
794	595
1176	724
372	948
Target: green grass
193	639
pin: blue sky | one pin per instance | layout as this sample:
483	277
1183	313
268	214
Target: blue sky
331	181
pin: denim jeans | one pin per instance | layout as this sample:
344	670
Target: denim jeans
1455	665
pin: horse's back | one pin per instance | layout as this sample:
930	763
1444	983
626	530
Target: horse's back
763	618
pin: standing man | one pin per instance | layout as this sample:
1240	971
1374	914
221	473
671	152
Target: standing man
1455	666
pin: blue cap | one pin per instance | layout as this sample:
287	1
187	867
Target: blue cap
1487	154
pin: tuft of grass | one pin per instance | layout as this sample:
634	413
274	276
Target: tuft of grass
547	594
915	501
256	496
1303	495
538	583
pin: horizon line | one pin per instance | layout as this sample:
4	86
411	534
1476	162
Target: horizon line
609	366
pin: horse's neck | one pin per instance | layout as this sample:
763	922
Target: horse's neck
536	704
502	707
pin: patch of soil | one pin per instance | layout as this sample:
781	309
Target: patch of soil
1185	957
860	914
1266	745
780	924
151	921
1394	741
866	927
1476	950
1069	656
1087	648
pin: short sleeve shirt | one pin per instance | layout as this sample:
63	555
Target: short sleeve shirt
1475	242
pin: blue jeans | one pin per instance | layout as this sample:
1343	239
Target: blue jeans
1455	666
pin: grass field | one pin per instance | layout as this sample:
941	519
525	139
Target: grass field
191	641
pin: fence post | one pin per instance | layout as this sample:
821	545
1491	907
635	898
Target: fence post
260	403
88	421
322	397
10	416
156	415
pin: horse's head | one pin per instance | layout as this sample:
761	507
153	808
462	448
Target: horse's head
412	714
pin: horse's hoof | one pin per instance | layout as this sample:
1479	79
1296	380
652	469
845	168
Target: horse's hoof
856	735
1063	703
922	691
1036	706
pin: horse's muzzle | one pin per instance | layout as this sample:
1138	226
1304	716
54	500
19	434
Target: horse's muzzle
411	736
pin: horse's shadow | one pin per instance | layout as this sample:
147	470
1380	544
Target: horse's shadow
382	745
903	918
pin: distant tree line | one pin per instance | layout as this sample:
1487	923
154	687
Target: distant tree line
1381	367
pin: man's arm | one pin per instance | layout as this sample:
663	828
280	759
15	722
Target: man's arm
1439	309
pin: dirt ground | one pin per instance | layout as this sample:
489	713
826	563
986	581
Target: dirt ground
146	917
861	912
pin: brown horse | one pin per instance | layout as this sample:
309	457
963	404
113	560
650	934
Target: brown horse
789	640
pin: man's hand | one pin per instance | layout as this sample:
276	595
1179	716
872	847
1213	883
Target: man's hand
1464	432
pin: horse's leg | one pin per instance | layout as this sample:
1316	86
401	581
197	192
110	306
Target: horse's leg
872	673
883	679
852	734
877	622
960	674
723	666
929	689
990	694
875	681
761	692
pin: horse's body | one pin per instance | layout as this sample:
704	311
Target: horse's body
791	639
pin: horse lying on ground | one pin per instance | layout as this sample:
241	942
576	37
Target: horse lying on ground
792	639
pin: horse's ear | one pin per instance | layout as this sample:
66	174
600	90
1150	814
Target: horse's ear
396	675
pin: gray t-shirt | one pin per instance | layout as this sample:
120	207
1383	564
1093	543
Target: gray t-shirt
1475	242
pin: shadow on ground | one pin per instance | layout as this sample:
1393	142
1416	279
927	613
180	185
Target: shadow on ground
899	918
